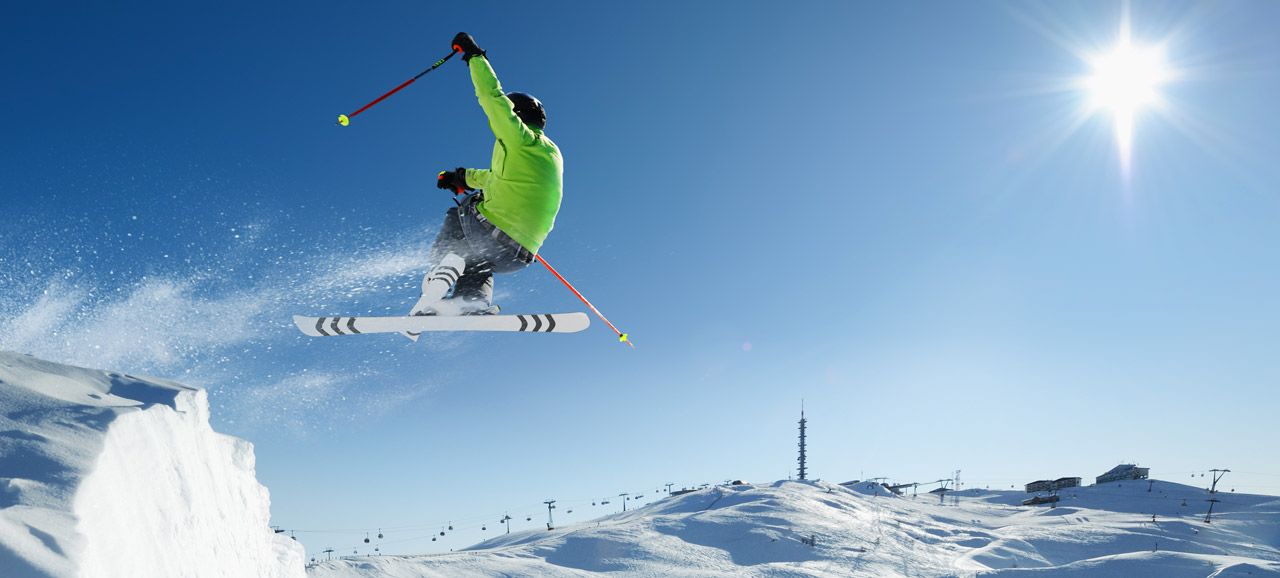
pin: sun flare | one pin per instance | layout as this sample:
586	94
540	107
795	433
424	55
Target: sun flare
1123	82
1127	78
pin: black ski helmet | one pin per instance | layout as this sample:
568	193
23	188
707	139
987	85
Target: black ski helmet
529	109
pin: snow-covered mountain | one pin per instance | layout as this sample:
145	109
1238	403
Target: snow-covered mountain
109	475
103	474
822	529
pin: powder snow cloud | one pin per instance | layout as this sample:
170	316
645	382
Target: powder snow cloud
192	326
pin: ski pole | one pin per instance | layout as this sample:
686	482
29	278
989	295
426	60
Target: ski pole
345	119
621	336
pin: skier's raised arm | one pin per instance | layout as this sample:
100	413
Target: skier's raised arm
500	110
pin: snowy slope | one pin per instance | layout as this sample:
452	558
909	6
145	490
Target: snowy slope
757	530
103	474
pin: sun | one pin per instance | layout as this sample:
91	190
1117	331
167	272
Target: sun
1123	82
1127	78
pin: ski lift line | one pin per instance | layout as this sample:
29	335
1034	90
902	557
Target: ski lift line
390	542
422	534
345	119
419	536
621	336
473	520
431	526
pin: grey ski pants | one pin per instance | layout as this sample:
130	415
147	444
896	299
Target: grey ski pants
484	247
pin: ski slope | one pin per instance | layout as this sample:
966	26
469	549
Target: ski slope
108	475
103	474
760	530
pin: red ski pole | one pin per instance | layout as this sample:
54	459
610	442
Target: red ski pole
621	336
345	119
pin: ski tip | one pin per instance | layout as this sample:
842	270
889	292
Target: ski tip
343	120
306	325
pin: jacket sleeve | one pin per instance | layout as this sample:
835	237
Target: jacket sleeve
478	178
502	117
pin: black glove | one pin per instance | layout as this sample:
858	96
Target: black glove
464	43
454	181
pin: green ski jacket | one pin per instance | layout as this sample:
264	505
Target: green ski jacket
522	186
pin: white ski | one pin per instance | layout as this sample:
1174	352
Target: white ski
538	323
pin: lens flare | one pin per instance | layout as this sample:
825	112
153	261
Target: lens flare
1124	81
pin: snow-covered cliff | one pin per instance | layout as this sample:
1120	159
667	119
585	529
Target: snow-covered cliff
103	474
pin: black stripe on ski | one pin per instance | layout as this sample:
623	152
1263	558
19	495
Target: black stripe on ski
334	326
351	325
446	273
551	323
537	324
320	326
524	323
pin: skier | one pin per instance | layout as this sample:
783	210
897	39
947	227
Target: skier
499	228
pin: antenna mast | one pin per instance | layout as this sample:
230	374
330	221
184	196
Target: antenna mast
803	466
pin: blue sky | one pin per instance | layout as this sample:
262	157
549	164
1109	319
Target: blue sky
897	212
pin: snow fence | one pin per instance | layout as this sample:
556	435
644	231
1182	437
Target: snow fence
105	475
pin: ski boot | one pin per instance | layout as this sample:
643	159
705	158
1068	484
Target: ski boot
435	286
